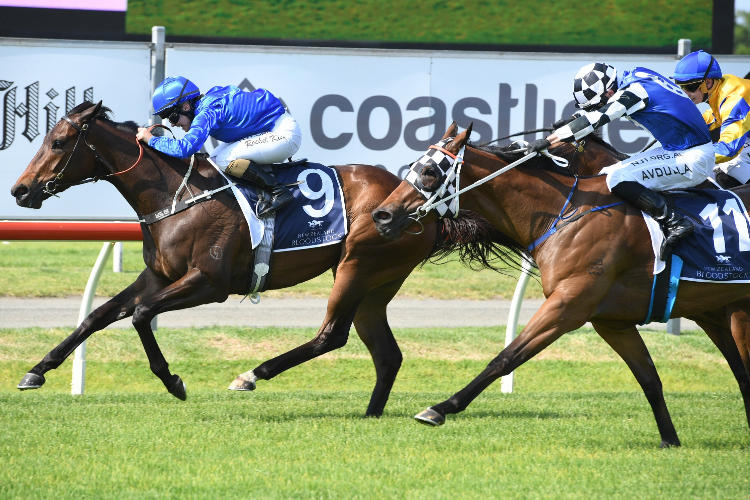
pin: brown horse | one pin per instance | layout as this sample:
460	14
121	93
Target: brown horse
523	203
588	157
182	271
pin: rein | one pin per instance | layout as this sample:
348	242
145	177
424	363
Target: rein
435	200
51	186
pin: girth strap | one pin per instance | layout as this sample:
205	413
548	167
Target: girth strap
262	260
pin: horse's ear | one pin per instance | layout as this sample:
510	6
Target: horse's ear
451	132
461	139
89	114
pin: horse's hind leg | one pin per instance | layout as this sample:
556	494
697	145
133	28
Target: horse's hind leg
120	306
348	291
628	343
722	337
372	327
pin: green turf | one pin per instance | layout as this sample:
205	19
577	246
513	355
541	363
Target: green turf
60	269
629	23
576	427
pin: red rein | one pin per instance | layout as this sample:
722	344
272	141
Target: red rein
140	147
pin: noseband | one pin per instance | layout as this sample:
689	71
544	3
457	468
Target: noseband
52	186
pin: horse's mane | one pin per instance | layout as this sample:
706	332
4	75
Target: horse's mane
478	243
512	153
106	114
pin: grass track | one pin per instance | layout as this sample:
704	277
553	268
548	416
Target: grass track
577	426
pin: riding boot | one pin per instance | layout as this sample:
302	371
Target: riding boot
252	172
674	225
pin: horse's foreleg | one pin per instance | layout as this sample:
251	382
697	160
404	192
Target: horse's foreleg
556	317
372	327
191	290
629	345
342	304
120	306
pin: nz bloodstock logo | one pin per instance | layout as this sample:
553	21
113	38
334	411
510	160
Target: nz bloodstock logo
26	113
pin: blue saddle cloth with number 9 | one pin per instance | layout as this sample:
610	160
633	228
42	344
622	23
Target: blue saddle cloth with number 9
719	248
316	217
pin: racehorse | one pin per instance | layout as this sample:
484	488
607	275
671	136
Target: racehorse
597	269
203	254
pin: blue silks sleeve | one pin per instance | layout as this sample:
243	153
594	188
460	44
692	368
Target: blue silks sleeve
205	121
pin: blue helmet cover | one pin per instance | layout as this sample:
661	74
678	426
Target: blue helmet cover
167	93
693	67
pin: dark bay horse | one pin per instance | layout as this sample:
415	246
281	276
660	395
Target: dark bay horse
523	203
182	271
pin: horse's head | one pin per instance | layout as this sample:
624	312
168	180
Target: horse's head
56	155
429	180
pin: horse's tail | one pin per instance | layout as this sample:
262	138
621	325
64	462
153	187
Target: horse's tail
478	243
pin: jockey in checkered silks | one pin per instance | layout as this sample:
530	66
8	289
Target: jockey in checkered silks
254	128
684	159
728	96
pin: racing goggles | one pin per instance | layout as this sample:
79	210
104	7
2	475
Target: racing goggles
694	86
172	114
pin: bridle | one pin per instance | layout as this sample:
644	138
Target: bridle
52	186
438	197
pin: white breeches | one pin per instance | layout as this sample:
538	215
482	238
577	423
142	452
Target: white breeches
738	167
660	170
273	146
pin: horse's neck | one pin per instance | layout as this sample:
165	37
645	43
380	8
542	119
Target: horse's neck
152	183
522	202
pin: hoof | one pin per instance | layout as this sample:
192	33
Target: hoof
31	381
667	444
244	382
178	388
430	417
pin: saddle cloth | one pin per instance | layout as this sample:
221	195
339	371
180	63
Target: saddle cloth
317	215
719	248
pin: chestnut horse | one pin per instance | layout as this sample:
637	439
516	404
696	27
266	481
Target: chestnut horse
524	203
182	271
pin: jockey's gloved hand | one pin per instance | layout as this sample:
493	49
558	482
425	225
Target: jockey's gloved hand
562	122
537	145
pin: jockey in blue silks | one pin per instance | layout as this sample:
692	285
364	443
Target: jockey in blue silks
254	128
685	157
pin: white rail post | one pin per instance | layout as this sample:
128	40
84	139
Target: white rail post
506	385
117	258
683	47
158	53
673	326
79	362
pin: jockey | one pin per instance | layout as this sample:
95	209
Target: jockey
685	158
699	75
254	128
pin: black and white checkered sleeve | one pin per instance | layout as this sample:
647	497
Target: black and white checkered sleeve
625	102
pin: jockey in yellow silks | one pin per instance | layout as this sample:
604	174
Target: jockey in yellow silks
700	76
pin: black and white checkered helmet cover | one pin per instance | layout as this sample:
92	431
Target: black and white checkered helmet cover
445	164
592	82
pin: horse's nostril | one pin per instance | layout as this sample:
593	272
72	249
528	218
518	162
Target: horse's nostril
381	216
19	191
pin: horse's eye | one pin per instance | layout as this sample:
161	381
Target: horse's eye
58	144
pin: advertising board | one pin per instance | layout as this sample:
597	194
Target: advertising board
40	80
381	107
385	107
